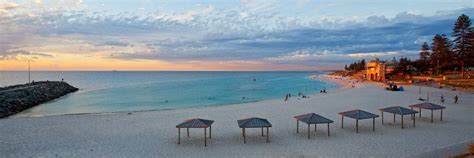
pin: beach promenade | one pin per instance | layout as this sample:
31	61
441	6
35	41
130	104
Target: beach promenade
153	133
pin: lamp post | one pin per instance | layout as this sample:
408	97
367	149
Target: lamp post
29	72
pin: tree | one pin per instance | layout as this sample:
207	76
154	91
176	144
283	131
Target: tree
462	44
470	56
425	52
423	63
442	54
362	64
356	66
404	66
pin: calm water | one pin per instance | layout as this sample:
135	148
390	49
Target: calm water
135	91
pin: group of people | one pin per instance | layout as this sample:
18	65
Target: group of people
300	94
394	87
456	98
287	96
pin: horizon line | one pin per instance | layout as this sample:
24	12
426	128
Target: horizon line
170	70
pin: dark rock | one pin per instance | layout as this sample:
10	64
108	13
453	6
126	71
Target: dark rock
14	99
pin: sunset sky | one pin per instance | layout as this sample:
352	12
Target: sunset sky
218	34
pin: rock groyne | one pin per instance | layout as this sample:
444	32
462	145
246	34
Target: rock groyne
14	99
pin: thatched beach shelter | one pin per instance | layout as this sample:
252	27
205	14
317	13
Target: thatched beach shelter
196	123
429	106
254	122
312	118
358	115
398	110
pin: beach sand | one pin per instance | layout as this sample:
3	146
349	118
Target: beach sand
344	82
153	133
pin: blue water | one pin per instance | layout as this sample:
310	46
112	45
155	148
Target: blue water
136	91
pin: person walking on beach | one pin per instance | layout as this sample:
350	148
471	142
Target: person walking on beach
456	99
442	99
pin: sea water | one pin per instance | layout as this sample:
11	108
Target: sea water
118	91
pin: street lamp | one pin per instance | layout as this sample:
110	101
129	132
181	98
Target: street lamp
29	70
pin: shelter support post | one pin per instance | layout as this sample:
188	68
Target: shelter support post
297	126
268	136
394	118
441	117
382	116
357	125
205	137
179	135
309	130
329	133
342	121
402	121
373	123
420	113
243	131
431	115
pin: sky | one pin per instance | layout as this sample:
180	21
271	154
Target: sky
217	35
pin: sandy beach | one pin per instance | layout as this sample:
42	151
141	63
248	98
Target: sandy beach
153	133
344	82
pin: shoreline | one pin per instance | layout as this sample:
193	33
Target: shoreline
324	78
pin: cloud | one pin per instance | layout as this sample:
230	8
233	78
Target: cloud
311	57
8	5
37	1
23	55
253	32
372	54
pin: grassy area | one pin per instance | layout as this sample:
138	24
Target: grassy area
460	83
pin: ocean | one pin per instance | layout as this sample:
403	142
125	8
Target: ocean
118	91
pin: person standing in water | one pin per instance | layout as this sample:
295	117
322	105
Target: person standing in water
456	99
442	99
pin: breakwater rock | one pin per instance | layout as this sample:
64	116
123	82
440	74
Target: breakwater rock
14	99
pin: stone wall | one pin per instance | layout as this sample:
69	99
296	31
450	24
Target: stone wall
14	99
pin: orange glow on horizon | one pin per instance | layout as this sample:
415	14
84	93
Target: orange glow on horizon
68	62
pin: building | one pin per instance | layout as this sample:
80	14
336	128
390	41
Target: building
376	70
